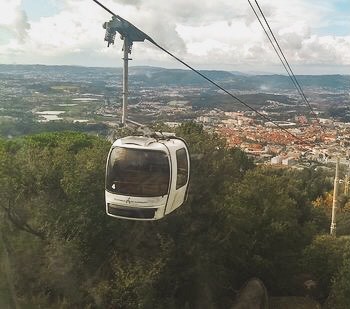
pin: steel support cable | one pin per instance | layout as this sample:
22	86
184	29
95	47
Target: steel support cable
299	88
209	80
227	92
274	47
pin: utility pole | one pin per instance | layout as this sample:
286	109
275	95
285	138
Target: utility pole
347	182
129	34
127	50
335	200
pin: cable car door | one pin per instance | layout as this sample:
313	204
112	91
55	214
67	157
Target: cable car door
181	180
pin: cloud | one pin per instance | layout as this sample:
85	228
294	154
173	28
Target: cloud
219	34
325	50
13	19
129	2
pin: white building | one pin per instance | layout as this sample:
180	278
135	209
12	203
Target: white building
289	161
276	160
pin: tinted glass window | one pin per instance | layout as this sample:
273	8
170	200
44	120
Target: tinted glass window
137	172
182	168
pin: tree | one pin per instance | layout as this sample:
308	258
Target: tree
271	225
239	221
323	258
340	291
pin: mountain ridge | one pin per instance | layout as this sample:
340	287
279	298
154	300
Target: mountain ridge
158	76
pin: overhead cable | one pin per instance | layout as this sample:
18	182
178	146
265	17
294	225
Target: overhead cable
285	63
208	79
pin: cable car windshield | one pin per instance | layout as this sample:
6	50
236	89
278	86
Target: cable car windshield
138	172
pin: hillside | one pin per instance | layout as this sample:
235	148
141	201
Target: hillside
240	221
155	76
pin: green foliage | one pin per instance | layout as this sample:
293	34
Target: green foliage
239	221
339	297
272	224
343	223
27	125
322	258
340	113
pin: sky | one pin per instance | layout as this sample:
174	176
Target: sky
220	34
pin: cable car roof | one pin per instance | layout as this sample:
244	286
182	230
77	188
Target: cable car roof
138	140
146	142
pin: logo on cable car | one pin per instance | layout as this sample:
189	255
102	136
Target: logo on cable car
128	200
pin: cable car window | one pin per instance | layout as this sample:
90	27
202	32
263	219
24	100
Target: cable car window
138	172
182	168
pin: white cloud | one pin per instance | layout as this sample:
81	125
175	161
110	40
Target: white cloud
13	19
218	34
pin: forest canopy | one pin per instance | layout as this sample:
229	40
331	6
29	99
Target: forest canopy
240	221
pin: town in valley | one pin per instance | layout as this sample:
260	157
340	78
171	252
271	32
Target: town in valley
93	96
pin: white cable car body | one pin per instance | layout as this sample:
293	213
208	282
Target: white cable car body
146	178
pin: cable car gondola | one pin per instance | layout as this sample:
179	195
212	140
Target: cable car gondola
146	177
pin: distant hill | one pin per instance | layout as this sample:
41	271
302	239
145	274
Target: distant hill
237	80
156	76
159	76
